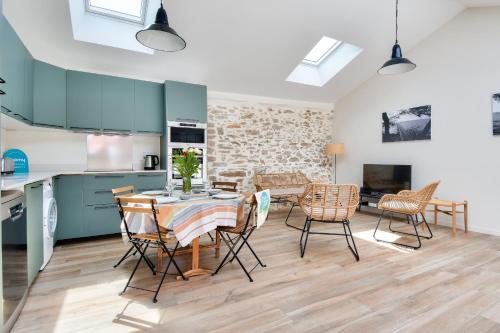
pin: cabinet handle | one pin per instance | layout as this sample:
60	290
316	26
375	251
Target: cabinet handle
36	186
117	131
149	132
105	207
2	80
2	92
48	125
153	175
102	191
6	110
83	129
17	114
109	176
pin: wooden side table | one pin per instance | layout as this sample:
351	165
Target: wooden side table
450	210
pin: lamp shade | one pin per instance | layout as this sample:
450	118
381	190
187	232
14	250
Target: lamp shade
397	64
160	36
334	149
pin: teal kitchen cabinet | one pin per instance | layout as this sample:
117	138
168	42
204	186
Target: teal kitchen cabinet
69	198
185	102
29	68
149	107
13	56
84	101
101	220
150	181
117	104
34	204
49	95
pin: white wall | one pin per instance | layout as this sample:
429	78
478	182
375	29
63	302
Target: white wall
61	150
458	71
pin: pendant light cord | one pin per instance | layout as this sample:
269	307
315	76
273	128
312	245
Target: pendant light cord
397	14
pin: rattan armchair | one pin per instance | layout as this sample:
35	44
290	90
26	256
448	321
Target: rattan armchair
329	203
410	204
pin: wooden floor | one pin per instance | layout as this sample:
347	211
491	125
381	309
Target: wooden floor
450	285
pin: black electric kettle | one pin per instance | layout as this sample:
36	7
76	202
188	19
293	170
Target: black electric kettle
151	161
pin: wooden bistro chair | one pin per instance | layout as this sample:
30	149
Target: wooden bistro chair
226	186
410	204
128	206
330	204
128	191
259	209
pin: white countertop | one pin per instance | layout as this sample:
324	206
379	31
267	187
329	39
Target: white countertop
11	182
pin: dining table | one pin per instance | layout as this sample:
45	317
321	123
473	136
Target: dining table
188	220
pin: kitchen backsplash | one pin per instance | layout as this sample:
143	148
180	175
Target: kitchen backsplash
61	150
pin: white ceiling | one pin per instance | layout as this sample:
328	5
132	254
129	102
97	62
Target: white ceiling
246	47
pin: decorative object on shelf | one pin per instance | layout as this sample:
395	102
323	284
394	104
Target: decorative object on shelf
397	64
332	150
495	108
407	124
160	36
21	164
187	164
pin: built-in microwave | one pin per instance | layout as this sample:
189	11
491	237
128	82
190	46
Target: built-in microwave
186	134
175	178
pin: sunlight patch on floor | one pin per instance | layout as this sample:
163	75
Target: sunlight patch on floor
367	235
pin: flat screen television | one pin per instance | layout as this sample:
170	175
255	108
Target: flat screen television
385	178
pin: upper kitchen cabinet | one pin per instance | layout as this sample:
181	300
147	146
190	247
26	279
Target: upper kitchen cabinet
49	95
185	102
149	107
117	104
84	101
14	66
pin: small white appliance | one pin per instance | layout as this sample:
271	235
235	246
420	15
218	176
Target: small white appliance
49	221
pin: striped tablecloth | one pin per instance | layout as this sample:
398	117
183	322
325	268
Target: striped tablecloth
191	218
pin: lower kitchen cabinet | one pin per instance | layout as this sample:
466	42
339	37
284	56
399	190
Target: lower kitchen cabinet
85	202
34	204
101	220
69	198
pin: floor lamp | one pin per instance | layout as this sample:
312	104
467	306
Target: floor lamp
334	149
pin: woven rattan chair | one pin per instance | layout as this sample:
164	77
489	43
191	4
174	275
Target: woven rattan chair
329	203
410	204
129	205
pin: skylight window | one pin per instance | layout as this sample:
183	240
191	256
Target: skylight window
129	10
321	51
325	60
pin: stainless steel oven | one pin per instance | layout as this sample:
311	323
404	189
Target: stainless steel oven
183	134
14	256
175	178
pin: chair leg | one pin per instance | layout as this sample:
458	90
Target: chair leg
125	256
378	224
223	262
172	259
245	241
411	221
135	269
424	221
307	228
288	216
235	256
165	273
355	249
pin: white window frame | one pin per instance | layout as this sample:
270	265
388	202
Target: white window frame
324	56
117	15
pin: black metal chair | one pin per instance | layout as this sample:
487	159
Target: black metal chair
241	233
141	242
330	204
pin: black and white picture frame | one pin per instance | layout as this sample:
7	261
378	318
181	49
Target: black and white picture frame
495	109
407	124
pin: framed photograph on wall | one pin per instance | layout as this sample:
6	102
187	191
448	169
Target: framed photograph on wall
495	108
407	124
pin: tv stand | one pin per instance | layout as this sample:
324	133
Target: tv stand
369	199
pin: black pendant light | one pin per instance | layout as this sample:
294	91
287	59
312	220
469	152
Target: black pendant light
397	64
160	36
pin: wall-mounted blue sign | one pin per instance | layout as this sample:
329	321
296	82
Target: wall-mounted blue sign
20	160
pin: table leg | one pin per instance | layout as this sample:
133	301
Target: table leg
195	262
466	213
435	214
217	244
159	259
454	219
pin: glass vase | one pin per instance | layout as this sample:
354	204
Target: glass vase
186	185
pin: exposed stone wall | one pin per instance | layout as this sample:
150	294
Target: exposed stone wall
245	137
